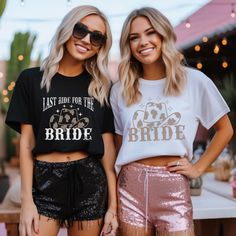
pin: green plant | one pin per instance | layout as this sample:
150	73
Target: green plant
2	6
21	49
20	54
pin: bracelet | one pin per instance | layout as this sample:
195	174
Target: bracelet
114	214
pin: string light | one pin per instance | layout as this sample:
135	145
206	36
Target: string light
1	75
187	24
216	49
13	84
199	65
204	39
10	88
6	99
224	41
232	14
225	64
20	57
197	48
4	92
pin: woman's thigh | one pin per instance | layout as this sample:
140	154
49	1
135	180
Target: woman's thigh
47	226
85	228
128	229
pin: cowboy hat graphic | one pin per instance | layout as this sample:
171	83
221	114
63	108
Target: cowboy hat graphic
68	118
155	115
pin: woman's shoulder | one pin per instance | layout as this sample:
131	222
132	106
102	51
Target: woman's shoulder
30	74
196	77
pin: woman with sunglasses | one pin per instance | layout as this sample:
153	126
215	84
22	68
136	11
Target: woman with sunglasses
158	104
67	152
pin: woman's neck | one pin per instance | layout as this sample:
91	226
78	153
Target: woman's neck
70	67
154	71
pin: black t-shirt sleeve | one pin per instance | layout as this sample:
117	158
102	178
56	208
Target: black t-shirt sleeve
19	108
108	120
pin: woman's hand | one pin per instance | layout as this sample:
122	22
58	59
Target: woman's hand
110	224
184	167
29	219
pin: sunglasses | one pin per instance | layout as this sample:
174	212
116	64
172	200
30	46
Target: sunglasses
97	39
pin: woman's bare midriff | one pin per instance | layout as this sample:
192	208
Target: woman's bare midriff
62	156
158	160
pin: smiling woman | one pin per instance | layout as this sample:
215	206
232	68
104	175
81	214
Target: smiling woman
67	152
158	104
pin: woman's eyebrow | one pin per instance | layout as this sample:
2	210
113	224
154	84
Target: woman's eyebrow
144	31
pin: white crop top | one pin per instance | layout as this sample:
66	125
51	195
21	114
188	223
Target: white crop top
165	125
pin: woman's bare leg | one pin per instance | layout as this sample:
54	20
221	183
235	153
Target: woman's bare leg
85	228
47	226
127	229
188	232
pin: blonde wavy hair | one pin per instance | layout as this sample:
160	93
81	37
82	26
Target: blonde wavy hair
96	65
131	69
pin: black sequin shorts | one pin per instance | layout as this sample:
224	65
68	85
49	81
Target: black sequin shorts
70	191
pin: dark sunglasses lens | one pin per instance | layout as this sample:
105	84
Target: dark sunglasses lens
97	39
80	31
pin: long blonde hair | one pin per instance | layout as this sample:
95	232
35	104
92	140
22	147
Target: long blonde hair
130	69
96	65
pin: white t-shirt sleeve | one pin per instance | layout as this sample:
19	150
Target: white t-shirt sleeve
114	99
210	105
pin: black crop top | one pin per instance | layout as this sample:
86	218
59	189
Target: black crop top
66	119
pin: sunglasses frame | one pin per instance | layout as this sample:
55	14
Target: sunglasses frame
92	34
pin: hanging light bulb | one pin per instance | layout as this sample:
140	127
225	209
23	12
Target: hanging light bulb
6	99
224	41
22	2
187	24
13	84
197	48
225	64
20	57
216	49
232	14
10	88
199	65
204	39
4	92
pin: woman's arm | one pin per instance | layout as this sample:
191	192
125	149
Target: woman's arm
29	214
108	162
224	133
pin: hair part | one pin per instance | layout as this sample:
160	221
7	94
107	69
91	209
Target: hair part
97	65
131	69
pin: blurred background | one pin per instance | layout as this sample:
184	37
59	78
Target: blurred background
206	35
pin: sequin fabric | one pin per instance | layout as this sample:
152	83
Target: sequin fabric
151	196
70	191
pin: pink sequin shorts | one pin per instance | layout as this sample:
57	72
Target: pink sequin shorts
151	196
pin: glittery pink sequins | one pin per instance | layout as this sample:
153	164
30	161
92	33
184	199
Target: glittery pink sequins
151	196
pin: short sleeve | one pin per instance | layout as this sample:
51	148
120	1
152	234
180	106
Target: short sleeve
108	120
19	108
210	104
115	109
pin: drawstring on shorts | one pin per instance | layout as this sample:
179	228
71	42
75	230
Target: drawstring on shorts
74	187
145	190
